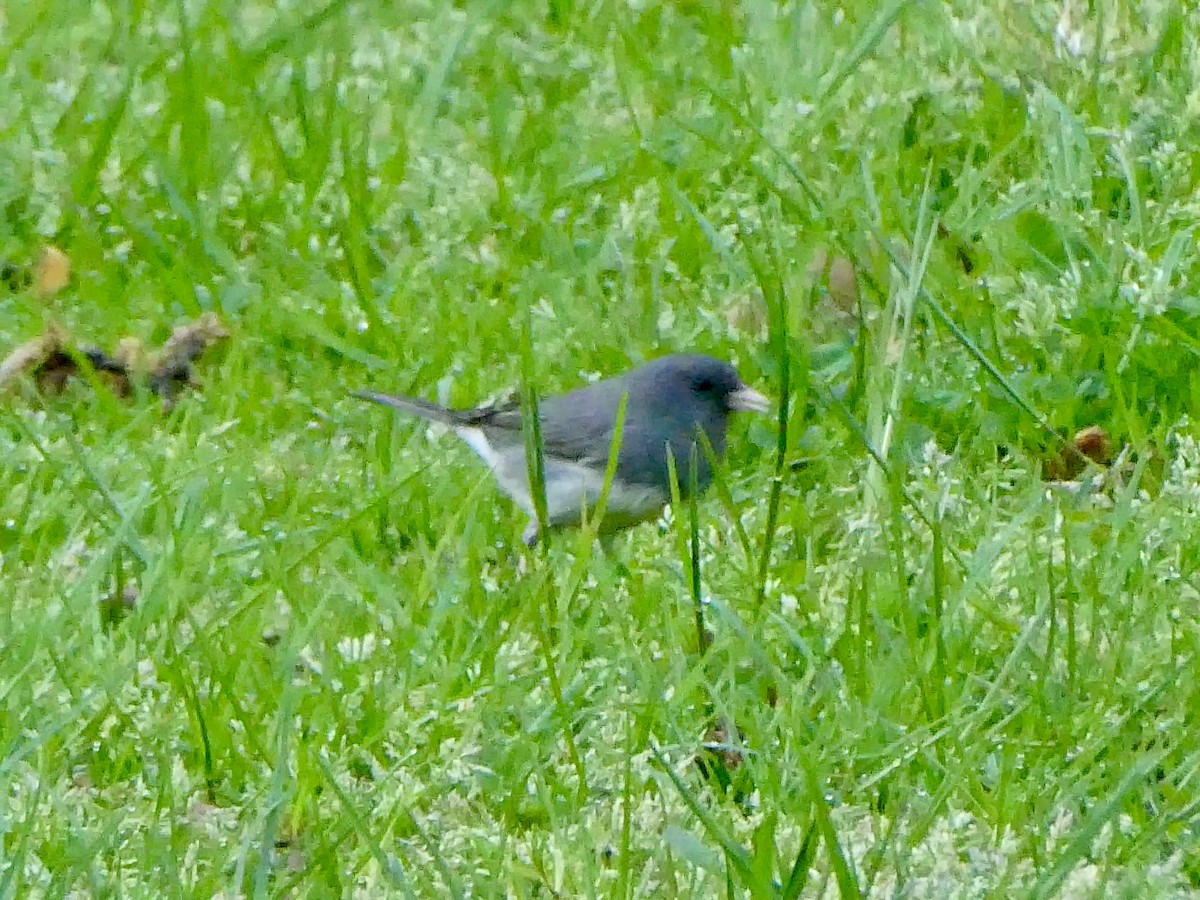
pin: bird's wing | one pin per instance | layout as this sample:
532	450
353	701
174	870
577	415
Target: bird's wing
578	427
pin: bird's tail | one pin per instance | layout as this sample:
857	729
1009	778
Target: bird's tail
415	406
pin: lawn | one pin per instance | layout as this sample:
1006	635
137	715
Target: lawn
269	640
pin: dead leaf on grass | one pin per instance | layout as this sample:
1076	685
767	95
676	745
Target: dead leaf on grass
51	272
173	370
1091	444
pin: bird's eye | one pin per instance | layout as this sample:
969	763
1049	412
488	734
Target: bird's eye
704	385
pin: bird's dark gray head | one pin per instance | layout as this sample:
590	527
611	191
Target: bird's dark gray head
699	382
671	401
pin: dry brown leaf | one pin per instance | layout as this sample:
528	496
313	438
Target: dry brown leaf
1095	444
747	314
722	741
51	360
172	372
112	372
843	284
33	353
131	354
51	272
1089	444
114	607
840	277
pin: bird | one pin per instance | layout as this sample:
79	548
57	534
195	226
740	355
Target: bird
669	403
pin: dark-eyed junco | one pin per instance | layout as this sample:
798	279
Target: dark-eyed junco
669	401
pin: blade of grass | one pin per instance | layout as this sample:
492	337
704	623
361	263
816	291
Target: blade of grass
192	700
536	468
286	34
535	461
694	548
866	45
625	862
797	878
1080	846
687	557
593	528
720	487
737	855
126	530
894	345
389	864
424	109
777	304
273	803
842	872
940	668
85	183
10	886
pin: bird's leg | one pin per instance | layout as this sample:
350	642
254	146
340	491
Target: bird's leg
531	534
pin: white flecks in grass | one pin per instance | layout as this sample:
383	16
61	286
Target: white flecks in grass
357	649
1182	481
147	674
1068	36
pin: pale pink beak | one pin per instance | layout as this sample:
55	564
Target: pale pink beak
746	399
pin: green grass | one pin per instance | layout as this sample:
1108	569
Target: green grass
344	676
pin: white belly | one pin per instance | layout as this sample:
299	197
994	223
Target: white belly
570	488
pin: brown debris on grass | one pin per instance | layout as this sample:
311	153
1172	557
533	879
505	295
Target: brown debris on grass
722	740
52	359
1091	444
116	606
51	272
720	758
173	370
840	279
48	274
1095	444
32	355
